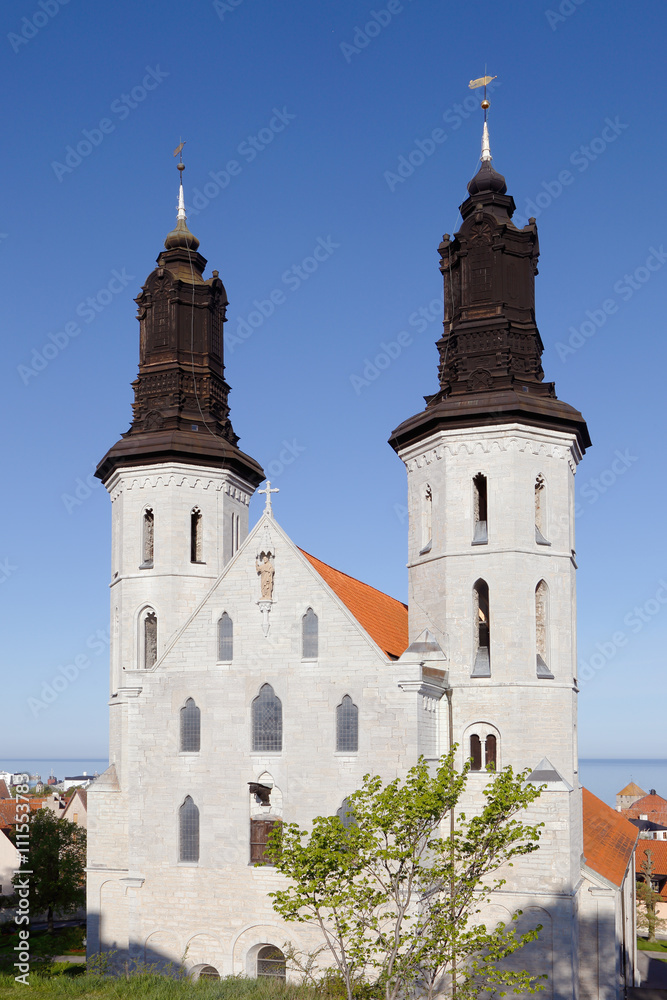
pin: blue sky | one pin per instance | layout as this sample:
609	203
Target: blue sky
316	105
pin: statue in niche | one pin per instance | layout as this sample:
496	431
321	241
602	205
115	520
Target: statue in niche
266	572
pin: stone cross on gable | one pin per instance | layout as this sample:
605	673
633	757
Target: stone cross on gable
268	509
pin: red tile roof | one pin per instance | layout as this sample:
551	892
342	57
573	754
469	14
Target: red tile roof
8	810
4	791
609	838
654	807
658	849
384	618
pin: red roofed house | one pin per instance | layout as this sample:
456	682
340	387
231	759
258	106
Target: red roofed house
658	849
651	807
607	929
251	683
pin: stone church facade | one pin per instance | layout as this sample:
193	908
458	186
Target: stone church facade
252	683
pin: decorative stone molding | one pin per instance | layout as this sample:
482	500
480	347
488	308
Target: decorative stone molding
486	446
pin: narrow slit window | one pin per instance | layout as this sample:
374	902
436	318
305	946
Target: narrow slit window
309	635
196	536
347	726
235	532
480	530
190	727
427	521
542	630
188	818
540	511
482	630
225	638
150	640
260	831
148	538
267	722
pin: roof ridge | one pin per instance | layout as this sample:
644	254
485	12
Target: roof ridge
356	579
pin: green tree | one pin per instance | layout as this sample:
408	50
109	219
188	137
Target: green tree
395	900
57	860
648	898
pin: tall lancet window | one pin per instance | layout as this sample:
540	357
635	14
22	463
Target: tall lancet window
188	822
427	520
480	522
309	635
236	532
190	727
267	721
225	638
347	726
196	536
541	511
147	538
542	630
150	640
482	630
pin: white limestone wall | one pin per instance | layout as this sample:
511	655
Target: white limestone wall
173	586
533	717
224	896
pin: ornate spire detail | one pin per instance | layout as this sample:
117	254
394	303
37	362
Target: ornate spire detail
486	146
181	235
491	351
181	407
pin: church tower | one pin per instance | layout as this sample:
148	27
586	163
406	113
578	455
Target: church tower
180	486
491	463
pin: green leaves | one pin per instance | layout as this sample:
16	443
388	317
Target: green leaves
396	896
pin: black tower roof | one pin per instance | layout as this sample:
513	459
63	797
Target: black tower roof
490	369
180	409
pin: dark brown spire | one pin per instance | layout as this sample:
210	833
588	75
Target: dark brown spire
490	352
180	409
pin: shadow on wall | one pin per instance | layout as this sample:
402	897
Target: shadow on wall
605	965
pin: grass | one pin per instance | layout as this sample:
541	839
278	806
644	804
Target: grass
146	986
644	945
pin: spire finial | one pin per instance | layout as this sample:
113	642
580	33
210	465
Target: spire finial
181	235
483	81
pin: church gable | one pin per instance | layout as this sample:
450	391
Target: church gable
273	596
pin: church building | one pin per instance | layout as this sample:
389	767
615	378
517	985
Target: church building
252	683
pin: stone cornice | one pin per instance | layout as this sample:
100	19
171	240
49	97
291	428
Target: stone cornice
503	438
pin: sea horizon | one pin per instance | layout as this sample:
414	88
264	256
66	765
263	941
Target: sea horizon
603	776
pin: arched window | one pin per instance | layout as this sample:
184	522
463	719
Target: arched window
150	639
309	635
190	727
480	523
490	749
267	722
225	638
541	511
482	630
483	747
147	538
188	841
196	536
271	962
475	752
345	814
542	630
427	520
347	726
